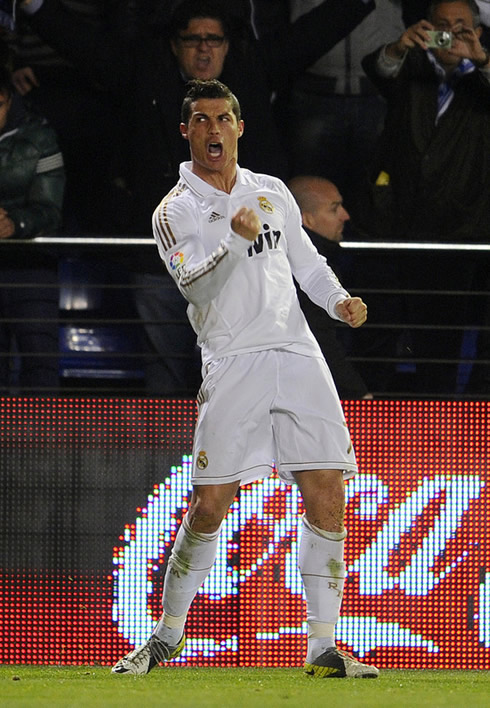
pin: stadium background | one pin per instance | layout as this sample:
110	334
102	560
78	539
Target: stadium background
91	496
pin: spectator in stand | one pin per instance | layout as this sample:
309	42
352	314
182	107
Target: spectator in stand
429	178
200	40
324	216
31	195
428	171
79	110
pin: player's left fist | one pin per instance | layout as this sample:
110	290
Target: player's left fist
353	311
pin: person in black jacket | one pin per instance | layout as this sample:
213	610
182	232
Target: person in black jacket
32	180
429	181
425	181
324	216
149	74
80	111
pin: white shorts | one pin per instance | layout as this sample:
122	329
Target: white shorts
264	409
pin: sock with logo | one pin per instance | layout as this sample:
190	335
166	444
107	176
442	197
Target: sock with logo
190	562
322	568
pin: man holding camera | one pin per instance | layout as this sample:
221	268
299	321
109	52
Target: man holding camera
426	179
430	178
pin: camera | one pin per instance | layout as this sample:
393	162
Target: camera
439	39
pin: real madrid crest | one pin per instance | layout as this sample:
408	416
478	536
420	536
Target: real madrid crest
265	205
202	460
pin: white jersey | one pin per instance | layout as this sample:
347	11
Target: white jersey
241	295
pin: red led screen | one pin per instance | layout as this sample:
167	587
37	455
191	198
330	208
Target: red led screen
92	496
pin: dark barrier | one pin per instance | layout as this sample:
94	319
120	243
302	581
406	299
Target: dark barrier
124	331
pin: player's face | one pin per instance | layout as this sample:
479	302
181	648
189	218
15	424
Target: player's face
196	50
212	132
5	102
452	17
330	217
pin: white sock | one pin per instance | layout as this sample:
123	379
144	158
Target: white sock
191	560
322	568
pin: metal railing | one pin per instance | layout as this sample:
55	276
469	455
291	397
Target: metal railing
105	345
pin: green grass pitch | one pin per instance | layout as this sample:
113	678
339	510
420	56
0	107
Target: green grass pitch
90	686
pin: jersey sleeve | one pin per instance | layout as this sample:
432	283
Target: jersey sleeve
199	276
310	269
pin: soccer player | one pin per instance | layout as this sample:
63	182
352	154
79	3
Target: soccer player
233	240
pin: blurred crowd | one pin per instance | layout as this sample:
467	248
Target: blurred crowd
397	146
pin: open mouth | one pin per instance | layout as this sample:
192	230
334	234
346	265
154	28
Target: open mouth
215	149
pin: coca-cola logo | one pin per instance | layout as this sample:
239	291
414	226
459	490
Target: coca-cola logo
402	546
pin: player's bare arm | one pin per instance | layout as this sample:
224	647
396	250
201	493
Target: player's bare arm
246	223
352	311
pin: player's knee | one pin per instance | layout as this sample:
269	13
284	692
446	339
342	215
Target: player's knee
323	498
204	516
209	505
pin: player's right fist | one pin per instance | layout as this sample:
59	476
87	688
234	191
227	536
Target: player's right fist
246	223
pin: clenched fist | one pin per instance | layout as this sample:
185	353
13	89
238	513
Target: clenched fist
246	223
352	311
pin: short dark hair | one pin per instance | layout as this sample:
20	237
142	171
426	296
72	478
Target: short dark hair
6	85
190	9
473	7
212	88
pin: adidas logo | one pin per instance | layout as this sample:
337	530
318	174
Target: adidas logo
215	217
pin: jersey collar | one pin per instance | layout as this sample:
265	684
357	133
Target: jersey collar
202	188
